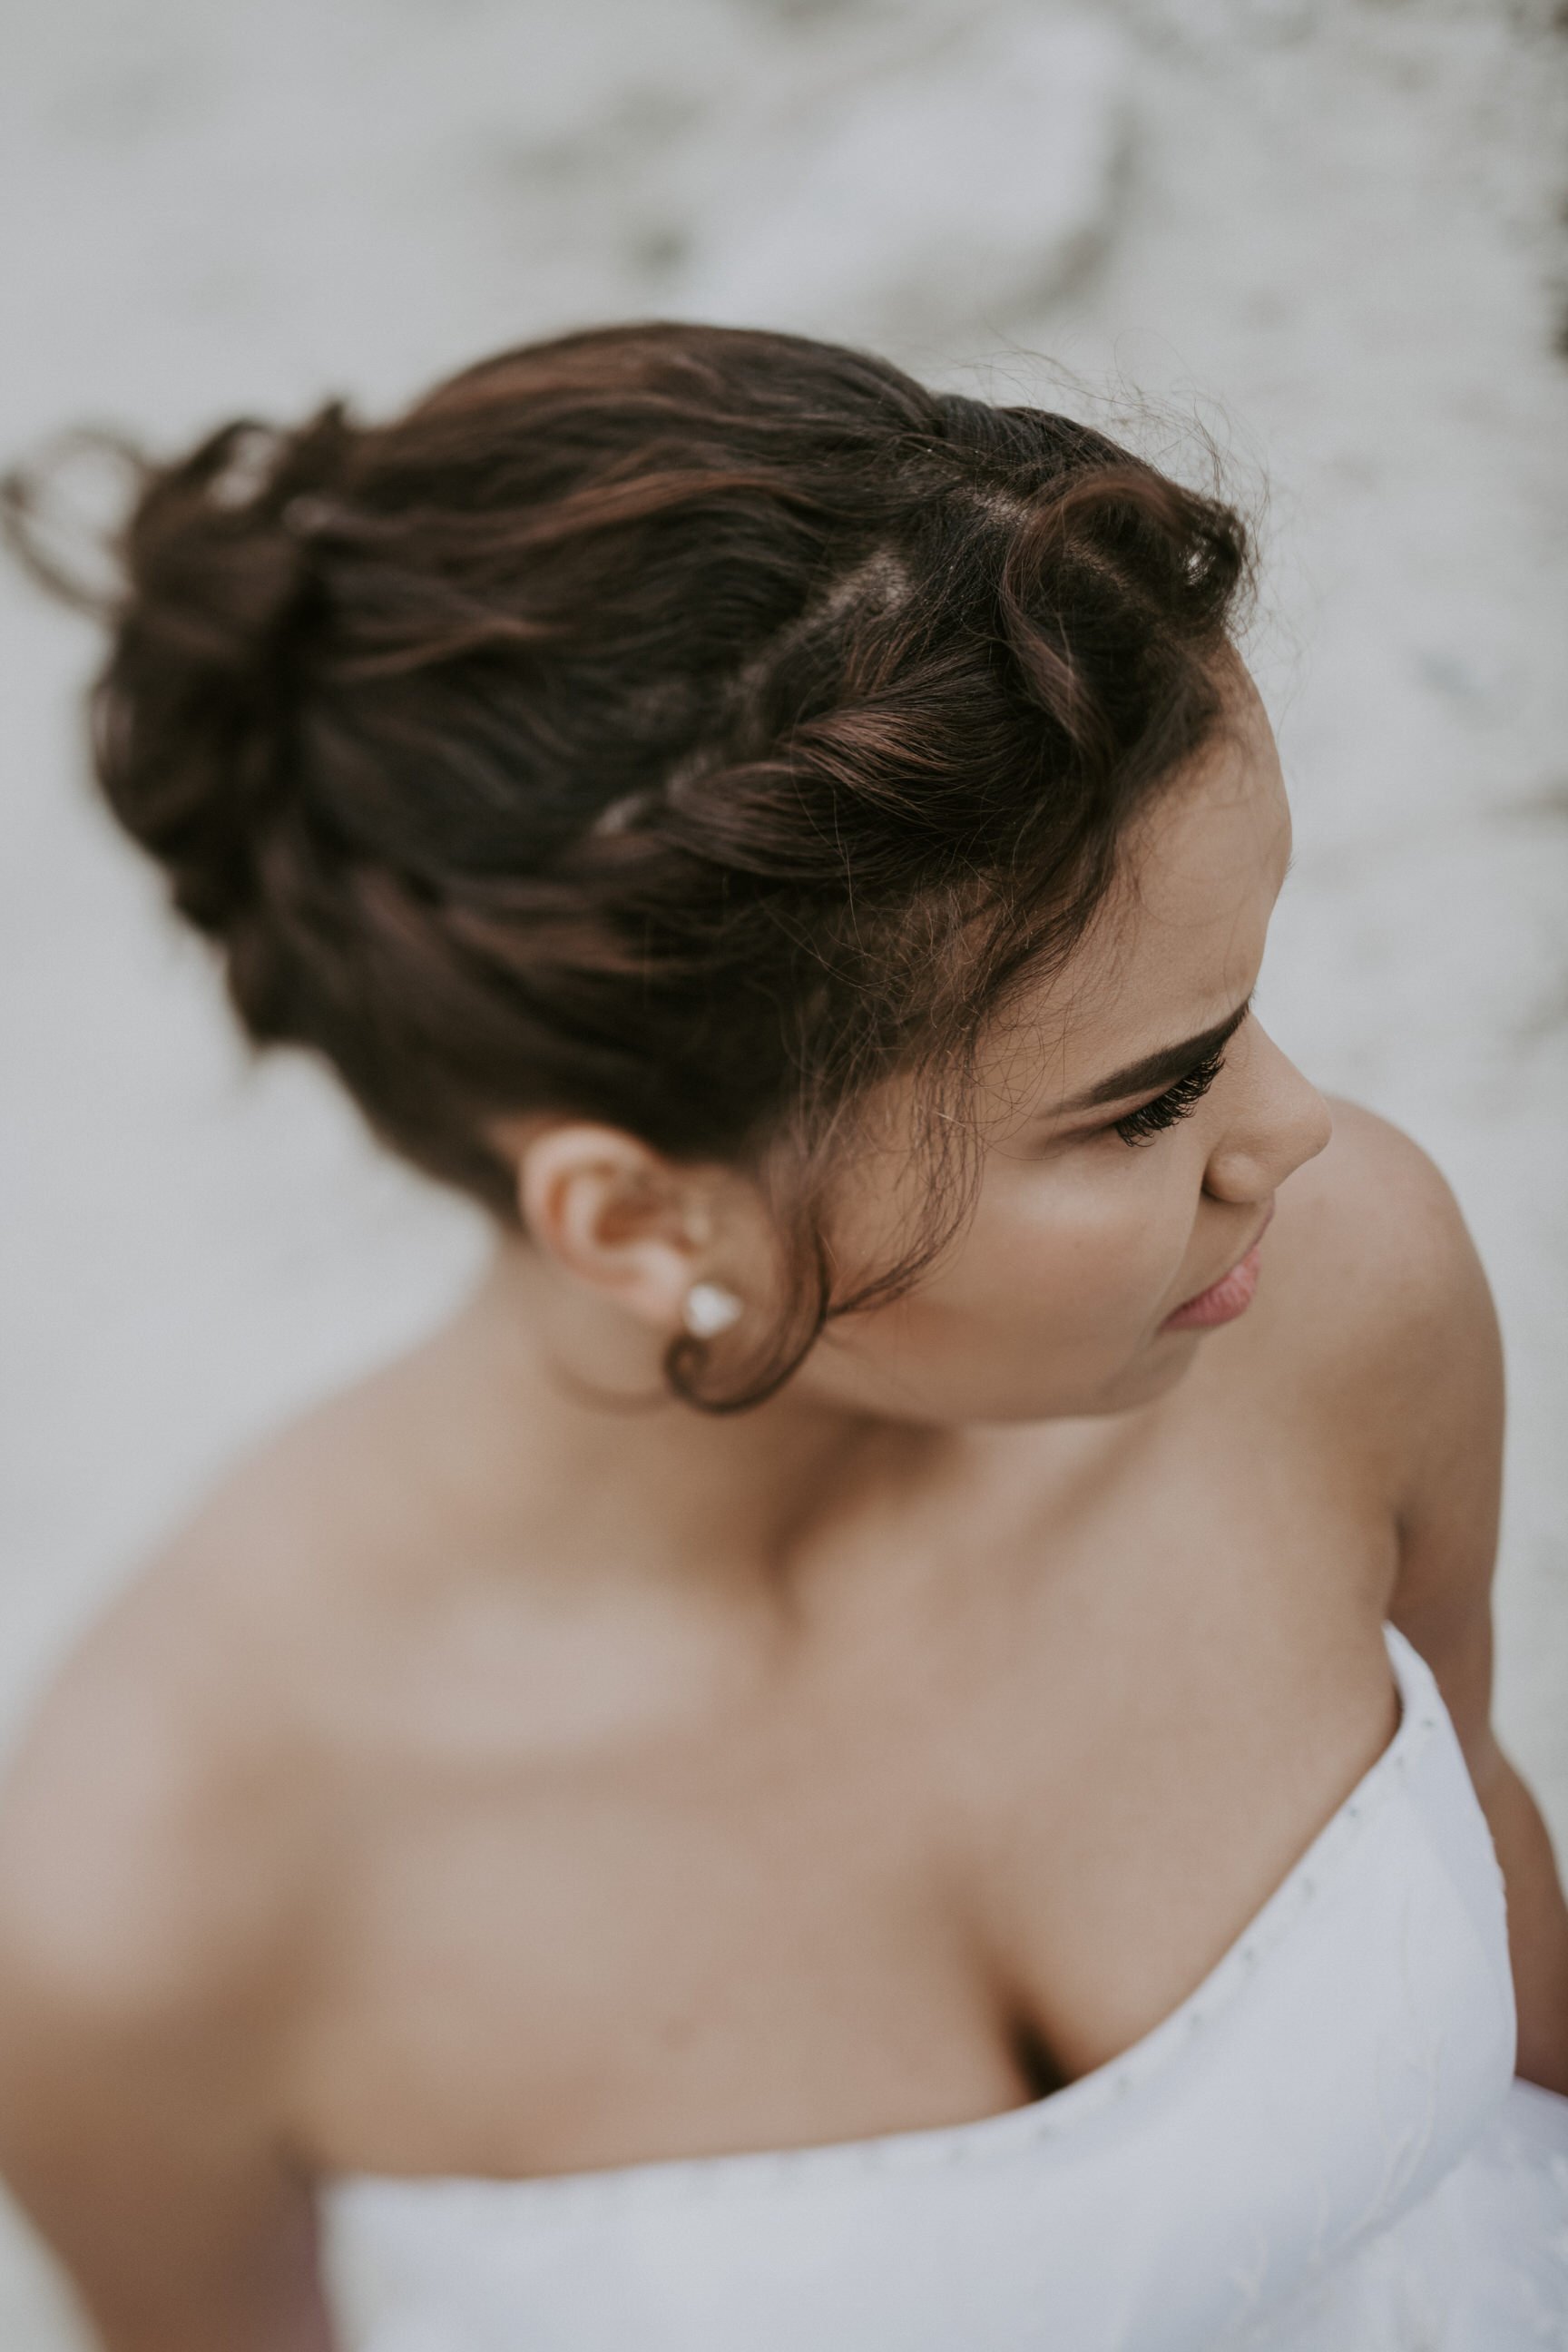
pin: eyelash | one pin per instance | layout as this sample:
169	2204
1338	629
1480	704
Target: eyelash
1152	1119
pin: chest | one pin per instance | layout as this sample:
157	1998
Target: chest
1042	1784
1183	2197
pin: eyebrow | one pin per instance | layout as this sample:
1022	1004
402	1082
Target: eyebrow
1157	1070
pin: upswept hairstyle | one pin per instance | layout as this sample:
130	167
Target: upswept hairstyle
681	727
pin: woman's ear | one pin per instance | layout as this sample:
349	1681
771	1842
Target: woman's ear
615	1213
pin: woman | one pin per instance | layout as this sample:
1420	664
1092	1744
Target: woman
828	1764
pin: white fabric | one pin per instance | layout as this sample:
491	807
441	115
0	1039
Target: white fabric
1322	2150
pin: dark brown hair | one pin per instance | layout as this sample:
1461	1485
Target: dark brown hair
682	727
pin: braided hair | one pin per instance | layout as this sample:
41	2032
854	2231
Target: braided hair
682	727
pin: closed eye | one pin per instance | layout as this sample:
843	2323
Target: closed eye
1152	1119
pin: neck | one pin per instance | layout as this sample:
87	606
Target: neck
570	1433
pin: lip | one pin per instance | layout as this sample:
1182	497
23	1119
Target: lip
1223	1300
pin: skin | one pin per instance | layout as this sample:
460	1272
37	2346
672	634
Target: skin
509	1771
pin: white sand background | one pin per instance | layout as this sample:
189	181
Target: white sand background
1325	228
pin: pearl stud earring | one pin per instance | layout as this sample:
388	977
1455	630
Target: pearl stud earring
709	1309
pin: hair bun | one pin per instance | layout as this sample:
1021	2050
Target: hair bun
215	580
215	548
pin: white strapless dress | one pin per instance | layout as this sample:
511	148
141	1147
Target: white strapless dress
1322	2150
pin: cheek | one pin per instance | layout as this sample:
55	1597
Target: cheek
1070	1260
1094	1247
1049	1302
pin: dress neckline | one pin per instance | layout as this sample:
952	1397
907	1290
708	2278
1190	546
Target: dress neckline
1037	2123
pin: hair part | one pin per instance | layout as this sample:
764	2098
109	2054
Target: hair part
682	727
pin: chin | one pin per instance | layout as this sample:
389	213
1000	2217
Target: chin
1151	1375
1147	1378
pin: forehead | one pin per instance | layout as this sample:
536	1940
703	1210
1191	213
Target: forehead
1176	945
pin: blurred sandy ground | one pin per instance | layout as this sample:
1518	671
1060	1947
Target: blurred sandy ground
1324	227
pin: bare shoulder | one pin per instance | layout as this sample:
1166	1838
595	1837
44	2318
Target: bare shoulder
161	1844
142	1874
167	1821
164	1818
1372	1260
1380	1321
1374	1208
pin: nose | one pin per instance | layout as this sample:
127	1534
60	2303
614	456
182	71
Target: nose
1277	1123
